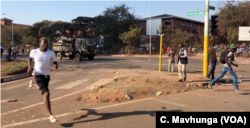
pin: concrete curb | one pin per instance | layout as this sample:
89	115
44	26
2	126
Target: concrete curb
15	77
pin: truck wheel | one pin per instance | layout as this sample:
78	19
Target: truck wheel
91	57
59	55
71	57
78	56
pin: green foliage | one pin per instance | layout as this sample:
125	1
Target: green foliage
132	37
232	15
113	22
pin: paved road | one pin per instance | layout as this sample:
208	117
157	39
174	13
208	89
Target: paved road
66	86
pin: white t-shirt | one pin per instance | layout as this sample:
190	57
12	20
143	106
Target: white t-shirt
230	60
42	61
14	49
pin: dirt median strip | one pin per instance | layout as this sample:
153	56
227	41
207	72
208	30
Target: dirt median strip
70	113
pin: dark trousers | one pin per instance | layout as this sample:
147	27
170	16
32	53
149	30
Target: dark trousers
211	72
14	55
1	55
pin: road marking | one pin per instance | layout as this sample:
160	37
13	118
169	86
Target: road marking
101	81
72	84
70	113
172	103
50	83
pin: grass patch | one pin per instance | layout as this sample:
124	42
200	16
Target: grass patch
13	67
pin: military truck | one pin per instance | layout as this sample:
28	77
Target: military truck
77	48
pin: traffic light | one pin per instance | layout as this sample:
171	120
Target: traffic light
213	26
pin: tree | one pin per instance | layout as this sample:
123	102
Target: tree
113	22
176	37
131	38
199	39
230	17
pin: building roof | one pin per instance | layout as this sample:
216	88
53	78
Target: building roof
5	19
171	16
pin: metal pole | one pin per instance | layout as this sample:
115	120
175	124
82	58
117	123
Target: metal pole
12	31
150	30
160	52
206	35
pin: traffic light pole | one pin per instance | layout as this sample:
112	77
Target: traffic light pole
160	62
206	37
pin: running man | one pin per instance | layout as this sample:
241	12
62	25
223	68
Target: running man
228	68
42	58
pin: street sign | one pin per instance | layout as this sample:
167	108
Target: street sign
211	7
196	13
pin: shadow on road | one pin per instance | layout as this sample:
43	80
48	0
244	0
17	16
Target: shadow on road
106	116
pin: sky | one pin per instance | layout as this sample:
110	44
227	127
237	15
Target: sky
30	12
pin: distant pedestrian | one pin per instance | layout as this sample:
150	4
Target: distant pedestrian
227	67
9	51
14	52
2	49
41	71
168	49
213	59
182	61
171	55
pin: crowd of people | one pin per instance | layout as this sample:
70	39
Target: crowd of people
12	52
226	58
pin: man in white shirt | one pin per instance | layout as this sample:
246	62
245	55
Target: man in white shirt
42	58
14	52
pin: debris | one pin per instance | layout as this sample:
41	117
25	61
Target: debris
9	100
240	81
128	96
66	121
183	90
240	76
70	69
73	80
226	102
228	80
187	84
158	93
163	107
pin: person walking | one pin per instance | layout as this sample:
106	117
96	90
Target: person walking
41	71
14	52
182	61
2	49
213	59
171	55
9	51
227	67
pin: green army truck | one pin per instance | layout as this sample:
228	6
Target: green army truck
77	48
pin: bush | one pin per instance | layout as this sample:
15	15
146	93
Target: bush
115	49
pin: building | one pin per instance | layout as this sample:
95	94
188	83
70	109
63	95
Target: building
8	22
184	24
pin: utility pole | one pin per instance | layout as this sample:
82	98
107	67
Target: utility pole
12	41
206	36
150	28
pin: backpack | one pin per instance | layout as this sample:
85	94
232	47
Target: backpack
223	56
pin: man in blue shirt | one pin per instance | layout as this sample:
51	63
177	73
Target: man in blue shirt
182	61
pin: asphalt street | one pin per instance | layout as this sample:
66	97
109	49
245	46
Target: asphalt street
66	86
